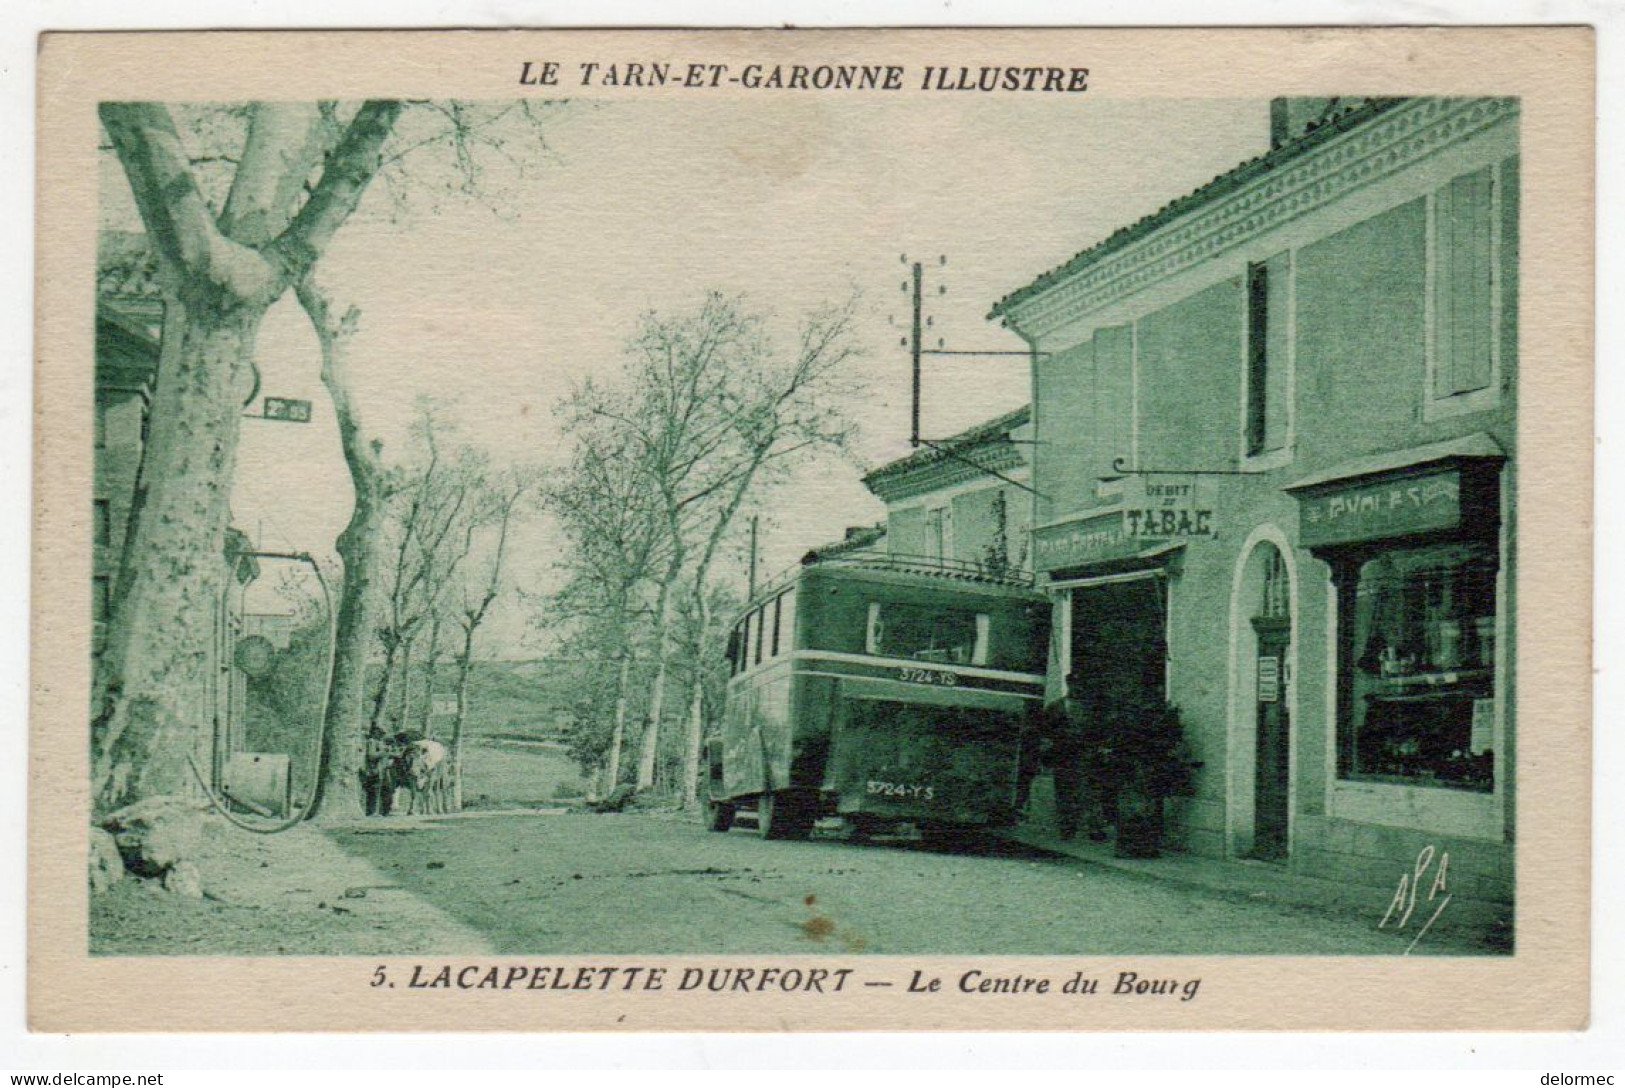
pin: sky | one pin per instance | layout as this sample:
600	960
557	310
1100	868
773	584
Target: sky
494	312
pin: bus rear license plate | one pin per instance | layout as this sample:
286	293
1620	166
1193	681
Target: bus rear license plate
900	790
928	676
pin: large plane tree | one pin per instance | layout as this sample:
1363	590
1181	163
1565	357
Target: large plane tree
296	179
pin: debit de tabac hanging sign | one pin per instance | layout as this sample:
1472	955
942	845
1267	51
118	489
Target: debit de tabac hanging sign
1155	510
1168	507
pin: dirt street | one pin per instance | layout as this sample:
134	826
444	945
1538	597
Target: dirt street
640	884
584	884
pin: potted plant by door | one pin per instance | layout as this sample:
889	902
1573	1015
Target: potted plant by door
1151	765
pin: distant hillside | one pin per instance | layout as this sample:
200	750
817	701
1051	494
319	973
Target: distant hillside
507	698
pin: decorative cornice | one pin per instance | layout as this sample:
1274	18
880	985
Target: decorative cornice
1391	141
948	472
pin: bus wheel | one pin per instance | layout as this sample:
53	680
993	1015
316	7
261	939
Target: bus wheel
719	815
784	815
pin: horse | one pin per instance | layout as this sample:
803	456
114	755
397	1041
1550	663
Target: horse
424	769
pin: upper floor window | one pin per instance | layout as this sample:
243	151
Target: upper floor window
938	535
1267	347
1465	241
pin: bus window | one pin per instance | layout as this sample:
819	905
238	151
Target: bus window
778	607
787	622
759	615
927	633
733	652
750	638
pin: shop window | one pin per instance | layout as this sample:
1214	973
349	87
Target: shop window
1464	242
927	633
102	521
1418	663
1267	399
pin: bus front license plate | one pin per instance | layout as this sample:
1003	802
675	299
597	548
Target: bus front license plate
939	677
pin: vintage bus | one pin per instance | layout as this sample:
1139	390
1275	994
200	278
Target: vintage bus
882	690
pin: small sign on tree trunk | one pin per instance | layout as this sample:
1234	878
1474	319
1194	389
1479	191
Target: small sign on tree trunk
286	410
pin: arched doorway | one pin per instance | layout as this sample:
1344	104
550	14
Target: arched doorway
1261	703
1272	719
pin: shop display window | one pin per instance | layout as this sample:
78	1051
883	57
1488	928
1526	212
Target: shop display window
1418	667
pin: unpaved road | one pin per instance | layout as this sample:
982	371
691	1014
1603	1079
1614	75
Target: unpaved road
640	884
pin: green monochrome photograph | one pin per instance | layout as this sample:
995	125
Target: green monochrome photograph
777	503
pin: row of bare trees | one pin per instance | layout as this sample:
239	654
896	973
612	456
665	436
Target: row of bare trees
707	417
444	560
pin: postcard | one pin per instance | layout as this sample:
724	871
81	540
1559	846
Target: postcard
868	529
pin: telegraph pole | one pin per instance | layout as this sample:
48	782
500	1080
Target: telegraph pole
914	350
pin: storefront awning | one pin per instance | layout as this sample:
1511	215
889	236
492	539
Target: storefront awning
1095	544
1474	446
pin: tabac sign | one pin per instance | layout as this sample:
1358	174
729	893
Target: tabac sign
1394	507
1167	507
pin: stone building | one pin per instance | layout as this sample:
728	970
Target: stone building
1275	430
963	499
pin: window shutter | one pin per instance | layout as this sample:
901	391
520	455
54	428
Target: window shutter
905	532
1462	284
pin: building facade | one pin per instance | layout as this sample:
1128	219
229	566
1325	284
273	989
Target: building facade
965	499
1276	441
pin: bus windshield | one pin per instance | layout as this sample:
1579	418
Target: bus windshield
927	633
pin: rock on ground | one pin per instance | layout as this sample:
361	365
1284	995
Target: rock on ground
295	893
106	865
156	834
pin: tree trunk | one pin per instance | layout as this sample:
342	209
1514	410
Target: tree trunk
696	740
157	653
657	691
433	666
696	708
618	734
465	666
386	674
357	545
405	715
